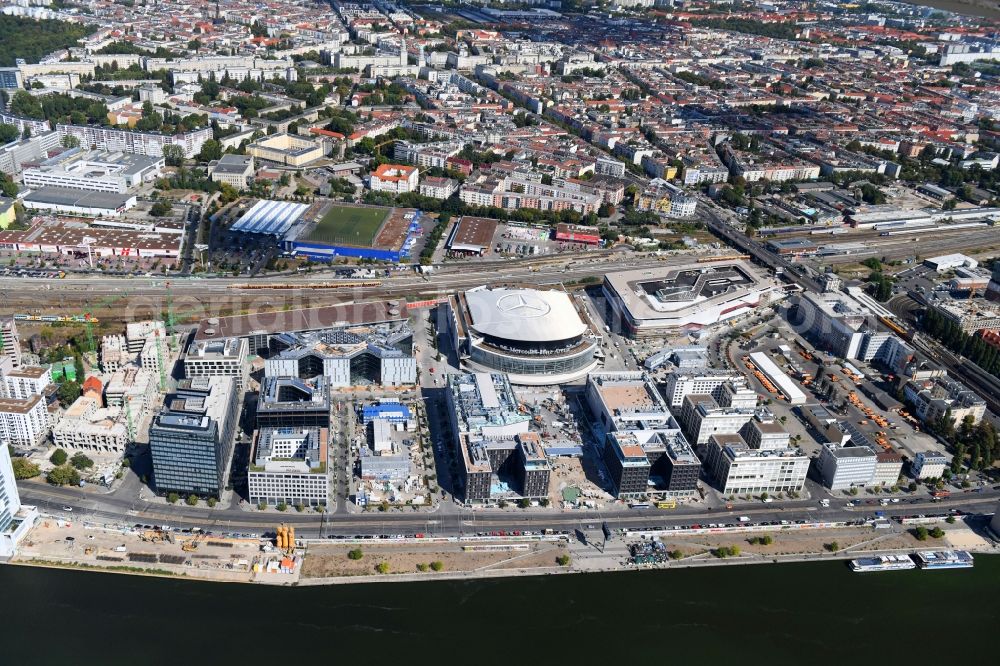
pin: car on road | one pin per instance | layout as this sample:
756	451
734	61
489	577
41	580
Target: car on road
67	508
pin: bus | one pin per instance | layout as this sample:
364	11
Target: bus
667	504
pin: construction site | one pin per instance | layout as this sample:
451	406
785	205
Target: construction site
152	550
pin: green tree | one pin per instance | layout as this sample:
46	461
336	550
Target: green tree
81	462
382	567
563	560
8	187
281	506
58	457
210	150
63	475
422	567
31	39
173	498
212	502
723	552
437	565
24	468
25	104
80	371
68	392
173	155
160	208
355	554
8	133
920	533
192	500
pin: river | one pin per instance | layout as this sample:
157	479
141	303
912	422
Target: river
817	613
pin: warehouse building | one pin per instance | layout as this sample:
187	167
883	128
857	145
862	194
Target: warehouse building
472	236
49	235
260	328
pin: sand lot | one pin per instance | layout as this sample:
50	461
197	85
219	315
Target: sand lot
325	561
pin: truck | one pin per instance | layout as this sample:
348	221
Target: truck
744	519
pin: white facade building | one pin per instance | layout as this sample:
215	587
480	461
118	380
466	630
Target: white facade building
94	171
680	384
929	465
395	178
140	143
23	422
843	467
15	519
740	468
219	358
24	382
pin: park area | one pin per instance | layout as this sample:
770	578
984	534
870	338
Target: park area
348	225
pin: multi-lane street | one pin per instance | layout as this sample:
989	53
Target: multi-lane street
450	520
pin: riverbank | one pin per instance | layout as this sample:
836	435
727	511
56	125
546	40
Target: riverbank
60	544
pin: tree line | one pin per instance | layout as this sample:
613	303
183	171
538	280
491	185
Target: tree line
972	347
976	445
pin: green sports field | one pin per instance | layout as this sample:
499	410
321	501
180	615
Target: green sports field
348	225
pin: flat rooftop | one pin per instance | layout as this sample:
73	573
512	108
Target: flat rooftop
64	196
473	233
671	291
294	321
72	232
626	397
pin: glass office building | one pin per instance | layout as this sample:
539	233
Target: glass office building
191	439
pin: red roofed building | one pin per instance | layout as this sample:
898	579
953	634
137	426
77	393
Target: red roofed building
327	133
93	388
396	178
460	164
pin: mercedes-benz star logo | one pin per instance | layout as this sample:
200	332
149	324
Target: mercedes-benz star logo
522	305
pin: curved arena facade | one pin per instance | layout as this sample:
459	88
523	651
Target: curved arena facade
536	337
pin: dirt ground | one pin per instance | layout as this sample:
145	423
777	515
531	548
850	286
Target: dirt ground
69	544
799	542
328	561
